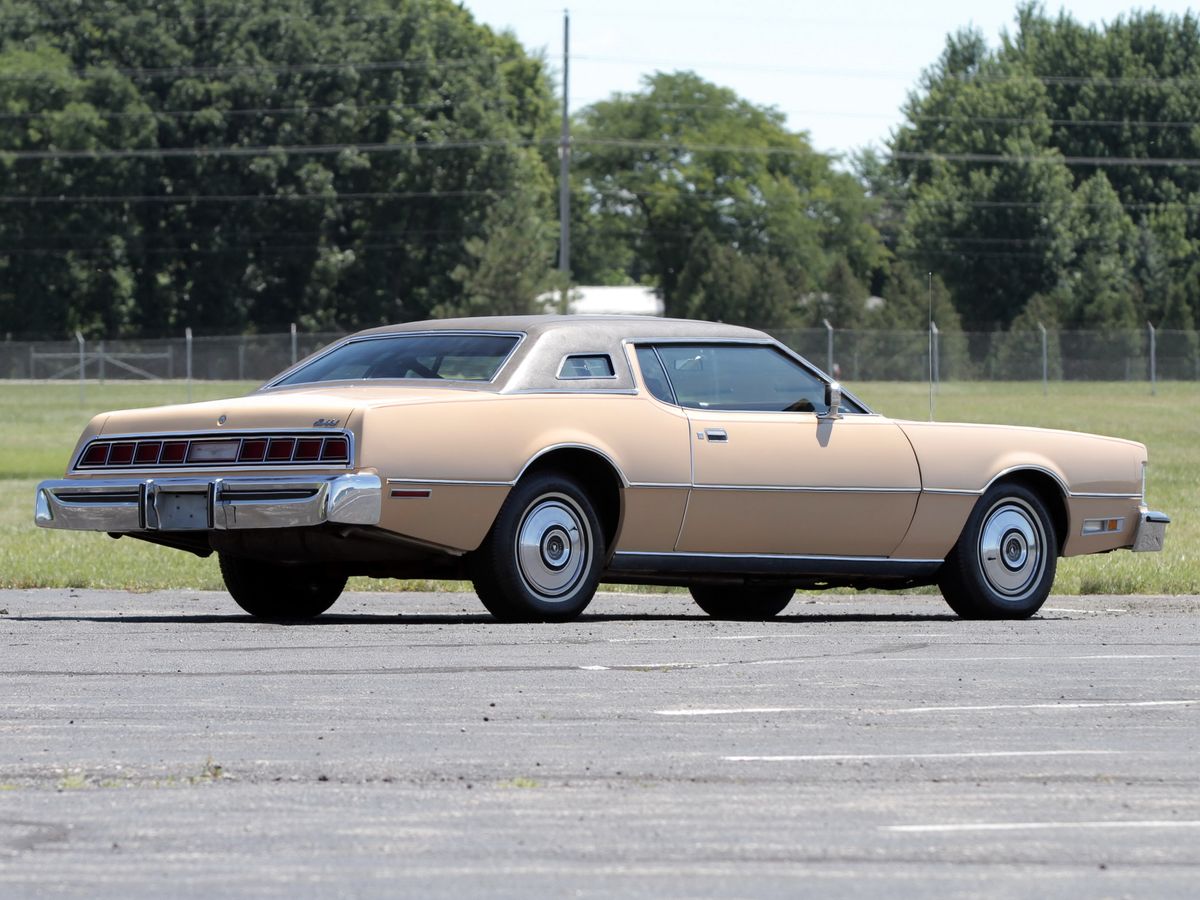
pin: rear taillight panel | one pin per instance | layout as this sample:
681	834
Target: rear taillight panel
207	451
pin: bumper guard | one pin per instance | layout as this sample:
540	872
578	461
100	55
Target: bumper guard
1151	531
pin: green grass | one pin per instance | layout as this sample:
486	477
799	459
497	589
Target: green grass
43	421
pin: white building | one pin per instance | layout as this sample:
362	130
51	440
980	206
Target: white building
624	300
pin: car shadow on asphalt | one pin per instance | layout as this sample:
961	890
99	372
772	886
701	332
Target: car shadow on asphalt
472	619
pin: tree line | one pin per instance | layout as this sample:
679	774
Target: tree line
235	165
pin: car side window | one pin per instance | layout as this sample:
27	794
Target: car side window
741	377
653	375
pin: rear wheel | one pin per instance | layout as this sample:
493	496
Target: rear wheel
1004	562
744	603
541	561
280	593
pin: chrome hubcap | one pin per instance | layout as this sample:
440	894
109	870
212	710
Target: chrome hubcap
1012	548
553	550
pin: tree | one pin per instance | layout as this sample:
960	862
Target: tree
509	265
1020	170
257	162
721	285
686	157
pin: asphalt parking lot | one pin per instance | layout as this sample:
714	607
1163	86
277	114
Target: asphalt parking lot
160	744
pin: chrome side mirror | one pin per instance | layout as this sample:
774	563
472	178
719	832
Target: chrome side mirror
833	401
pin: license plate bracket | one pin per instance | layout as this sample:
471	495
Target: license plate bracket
181	511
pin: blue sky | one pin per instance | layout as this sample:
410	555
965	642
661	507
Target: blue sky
839	70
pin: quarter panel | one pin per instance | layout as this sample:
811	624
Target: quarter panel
489	441
451	515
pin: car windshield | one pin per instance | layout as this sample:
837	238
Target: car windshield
457	357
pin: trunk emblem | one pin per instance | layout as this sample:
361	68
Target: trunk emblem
222	420
325	423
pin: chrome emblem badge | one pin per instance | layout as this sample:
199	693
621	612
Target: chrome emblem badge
326	423
221	421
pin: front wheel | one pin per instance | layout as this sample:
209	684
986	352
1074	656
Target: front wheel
541	561
743	603
1004	562
279	593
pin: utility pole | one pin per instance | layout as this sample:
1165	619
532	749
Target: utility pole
564	184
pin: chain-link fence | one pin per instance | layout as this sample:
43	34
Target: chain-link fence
853	355
1047	354
251	357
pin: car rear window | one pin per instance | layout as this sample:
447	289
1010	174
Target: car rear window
454	357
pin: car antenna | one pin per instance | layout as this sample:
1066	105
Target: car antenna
930	329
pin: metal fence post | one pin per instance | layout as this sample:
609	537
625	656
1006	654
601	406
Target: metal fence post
82	366
932	405
1045	362
937	354
1153	361
293	343
187	335
100	362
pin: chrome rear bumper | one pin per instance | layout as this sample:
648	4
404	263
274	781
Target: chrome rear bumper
197	504
1151	531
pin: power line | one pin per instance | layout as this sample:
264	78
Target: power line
184	199
267	150
1036	159
268	68
264	111
432	194
1019	77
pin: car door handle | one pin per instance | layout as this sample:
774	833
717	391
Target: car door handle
716	434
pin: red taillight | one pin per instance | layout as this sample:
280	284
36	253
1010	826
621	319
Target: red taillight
205	451
147	453
173	453
281	449
308	450
336	450
96	455
253	450
120	454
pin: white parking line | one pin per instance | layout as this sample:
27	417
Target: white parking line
860	660
759	637
1095	612
1042	826
994	707
986	754
738	711
1086	704
657	666
1045	658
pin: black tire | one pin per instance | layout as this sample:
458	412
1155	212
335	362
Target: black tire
541	561
280	593
742	603
1004	563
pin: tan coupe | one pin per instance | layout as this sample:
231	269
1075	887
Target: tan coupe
537	456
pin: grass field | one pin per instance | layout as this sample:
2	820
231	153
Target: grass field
42	422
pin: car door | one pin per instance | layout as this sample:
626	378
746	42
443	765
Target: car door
770	473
